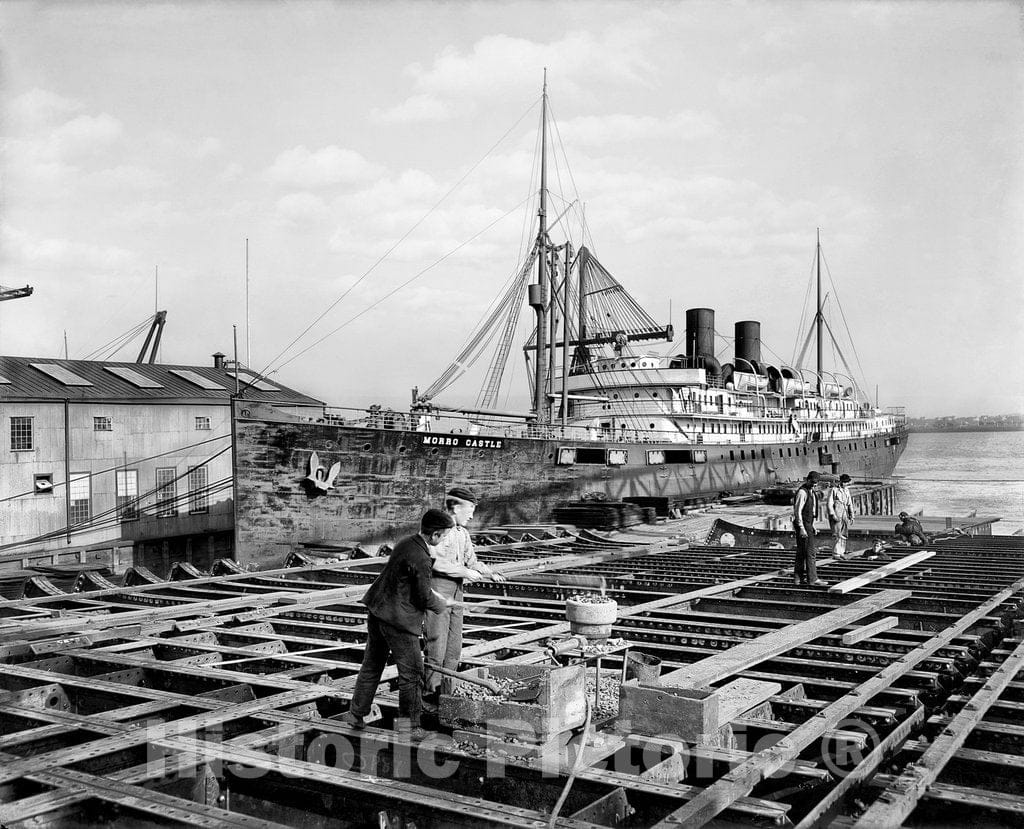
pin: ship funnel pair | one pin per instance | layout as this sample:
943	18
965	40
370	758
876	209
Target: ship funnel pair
700	342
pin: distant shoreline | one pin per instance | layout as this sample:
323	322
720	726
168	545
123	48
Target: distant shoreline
948	429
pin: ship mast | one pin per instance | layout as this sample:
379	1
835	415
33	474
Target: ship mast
539	291
817	320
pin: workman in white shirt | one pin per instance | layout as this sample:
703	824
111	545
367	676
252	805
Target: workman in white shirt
840	515
455	564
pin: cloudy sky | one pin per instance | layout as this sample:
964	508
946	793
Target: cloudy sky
361	147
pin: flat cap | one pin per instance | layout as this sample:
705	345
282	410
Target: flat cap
813	475
904	515
844	478
462	494
434	520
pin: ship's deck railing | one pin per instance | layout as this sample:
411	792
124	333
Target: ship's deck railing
494	426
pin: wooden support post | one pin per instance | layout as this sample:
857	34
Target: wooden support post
882	572
866	632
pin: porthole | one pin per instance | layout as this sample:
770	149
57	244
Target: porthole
366	447
636	394
655	394
615	397
433	451
651	426
401	449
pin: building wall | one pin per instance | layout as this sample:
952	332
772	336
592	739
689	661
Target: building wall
139	431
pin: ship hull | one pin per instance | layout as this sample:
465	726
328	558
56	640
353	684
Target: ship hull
387	477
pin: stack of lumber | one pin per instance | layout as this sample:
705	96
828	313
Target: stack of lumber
599	515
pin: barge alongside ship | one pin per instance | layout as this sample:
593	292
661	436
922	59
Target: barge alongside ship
610	416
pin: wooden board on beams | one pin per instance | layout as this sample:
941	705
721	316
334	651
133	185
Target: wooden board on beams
867	631
747	654
880	572
899	800
739	781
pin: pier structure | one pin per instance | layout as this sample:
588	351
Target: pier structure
895	695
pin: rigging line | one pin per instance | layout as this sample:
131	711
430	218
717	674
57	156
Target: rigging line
115	515
846	325
490	313
390	250
130	333
804	307
405	284
122	465
565	157
526	236
126	336
110	519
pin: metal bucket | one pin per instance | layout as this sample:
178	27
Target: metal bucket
643	666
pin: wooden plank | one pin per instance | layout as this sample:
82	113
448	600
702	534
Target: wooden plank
866	632
747	654
882	572
824	810
898	801
741	780
741	695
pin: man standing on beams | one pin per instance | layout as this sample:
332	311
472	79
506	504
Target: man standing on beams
396	603
805	508
840	515
455	564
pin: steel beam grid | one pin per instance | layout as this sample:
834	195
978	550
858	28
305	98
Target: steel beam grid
242	671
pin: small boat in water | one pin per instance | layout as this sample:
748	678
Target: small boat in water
611	415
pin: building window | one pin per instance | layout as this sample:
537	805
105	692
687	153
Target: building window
198	497
21	434
203	424
166	492
127	494
79	489
101	424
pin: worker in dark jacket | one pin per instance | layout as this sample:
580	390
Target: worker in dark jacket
397	601
805	510
910	528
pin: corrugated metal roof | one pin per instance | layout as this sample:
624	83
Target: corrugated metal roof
30	383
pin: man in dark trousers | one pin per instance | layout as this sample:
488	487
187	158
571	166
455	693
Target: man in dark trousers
397	602
805	509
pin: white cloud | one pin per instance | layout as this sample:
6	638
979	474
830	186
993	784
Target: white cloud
598	130
501	65
301	208
232	172
24	248
127	177
327	166
189	147
84	134
415	109
751	90
39	108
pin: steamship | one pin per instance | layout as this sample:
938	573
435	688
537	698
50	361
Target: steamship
612	416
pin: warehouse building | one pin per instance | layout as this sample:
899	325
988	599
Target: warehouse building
115	459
